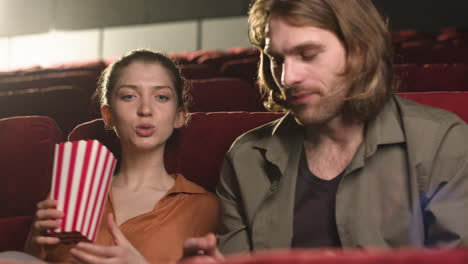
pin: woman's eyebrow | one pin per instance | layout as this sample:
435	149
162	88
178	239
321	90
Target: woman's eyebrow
135	87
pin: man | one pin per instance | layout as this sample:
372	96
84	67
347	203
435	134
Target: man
351	164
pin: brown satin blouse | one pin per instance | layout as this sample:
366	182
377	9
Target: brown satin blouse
187	210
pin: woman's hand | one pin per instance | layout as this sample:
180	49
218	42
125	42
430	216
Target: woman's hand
47	217
123	252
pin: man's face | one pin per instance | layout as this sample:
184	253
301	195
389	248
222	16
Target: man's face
307	63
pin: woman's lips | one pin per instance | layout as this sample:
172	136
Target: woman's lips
145	130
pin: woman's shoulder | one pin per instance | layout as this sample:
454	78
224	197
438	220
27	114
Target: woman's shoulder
197	198
187	186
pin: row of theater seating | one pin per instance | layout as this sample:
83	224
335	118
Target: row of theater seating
28	142
64	91
356	256
451	36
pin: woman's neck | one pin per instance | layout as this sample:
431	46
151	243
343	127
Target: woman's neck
143	170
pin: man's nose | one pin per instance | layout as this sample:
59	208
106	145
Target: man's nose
291	74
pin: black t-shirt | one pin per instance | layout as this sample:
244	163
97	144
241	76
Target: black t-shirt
314	222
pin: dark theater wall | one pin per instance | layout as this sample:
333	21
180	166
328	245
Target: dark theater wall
19	17
425	15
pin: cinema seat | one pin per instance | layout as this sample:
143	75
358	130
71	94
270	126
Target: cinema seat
196	150
198	71
65	104
432	77
348	256
224	94
217	60
245	69
26	157
431	55
455	102
81	75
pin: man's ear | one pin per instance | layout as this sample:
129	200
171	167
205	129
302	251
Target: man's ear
107	116
180	118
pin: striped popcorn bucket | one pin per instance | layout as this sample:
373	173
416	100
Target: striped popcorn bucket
80	182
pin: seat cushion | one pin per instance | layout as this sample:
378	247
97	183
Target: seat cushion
14	231
26	162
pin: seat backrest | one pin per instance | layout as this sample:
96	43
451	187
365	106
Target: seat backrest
349	256
455	102
198	71
245	69
432	77
26	161
224	94
83	75
197	150
431	55
65	104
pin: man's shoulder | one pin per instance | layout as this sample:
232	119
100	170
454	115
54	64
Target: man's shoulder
427	129
253	136
419	114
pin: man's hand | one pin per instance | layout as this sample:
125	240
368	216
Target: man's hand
123	252
202	250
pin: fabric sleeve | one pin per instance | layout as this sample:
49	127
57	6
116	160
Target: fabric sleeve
208	214
233	235
446	199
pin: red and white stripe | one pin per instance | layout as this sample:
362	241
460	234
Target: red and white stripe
81	178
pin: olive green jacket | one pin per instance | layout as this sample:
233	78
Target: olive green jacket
406	186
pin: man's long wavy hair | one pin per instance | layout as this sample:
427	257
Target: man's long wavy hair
363	33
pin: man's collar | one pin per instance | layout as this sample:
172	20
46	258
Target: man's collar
384	129
287	135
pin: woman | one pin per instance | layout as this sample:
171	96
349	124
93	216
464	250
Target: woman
148	210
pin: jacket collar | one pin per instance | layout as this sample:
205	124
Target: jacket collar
384	129
287	135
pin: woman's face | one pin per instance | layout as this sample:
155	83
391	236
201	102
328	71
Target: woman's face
143	107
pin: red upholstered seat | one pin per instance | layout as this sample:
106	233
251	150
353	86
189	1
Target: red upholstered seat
356	256
453	36
82	75
196	150
410	35
65	104
198	71
217	60
245	69
197	55
243	51
432	77
455	102
435	54
26	158
62	91
14	231
224	94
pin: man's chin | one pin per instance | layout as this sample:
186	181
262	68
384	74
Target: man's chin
312	118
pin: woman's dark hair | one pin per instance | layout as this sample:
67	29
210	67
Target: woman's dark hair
111	74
